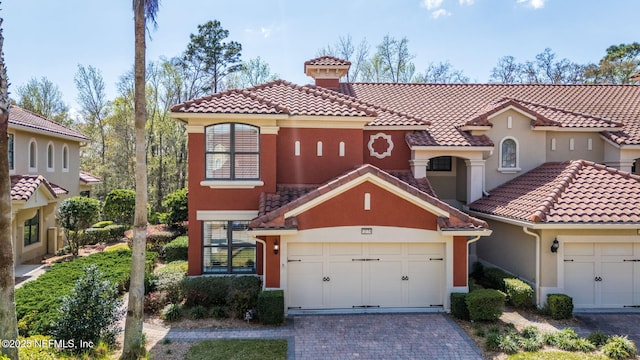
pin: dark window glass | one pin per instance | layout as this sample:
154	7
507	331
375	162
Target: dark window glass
232	152
11	151
32	230
227	248
440	163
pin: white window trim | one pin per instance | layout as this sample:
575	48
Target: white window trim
35	155
65	147
53	157
509	169
319	148
341	149
296	148
232	184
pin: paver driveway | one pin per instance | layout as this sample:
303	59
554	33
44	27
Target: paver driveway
623	323
366	336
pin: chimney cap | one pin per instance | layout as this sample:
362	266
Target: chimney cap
326	67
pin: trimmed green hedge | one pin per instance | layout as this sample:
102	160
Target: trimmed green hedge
496	277
519	293
485	304
38	301
177	249
238	293
271	307
459	306
560	306
106	234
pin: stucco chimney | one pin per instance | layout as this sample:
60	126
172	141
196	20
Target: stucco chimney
327	70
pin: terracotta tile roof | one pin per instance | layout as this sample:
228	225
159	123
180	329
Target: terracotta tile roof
635	77
21	117
567	192
327	60
288	197
282	97
87	178
450	106
24	186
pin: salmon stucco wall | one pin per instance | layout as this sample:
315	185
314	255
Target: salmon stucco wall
347	209
460	261
400	154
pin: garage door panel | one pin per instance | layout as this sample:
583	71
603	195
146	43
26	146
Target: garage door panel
618	249
425	284
579	250
425	249
385	283
305	285
579	282
344	288
616	280
305	249
345	249
384	249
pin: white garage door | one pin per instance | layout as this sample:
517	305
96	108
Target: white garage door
602	275
339	275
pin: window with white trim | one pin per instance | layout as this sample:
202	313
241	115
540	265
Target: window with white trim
227	248
509	155
232	152
440	163
32	230
11	150
50	157
65	157
33	155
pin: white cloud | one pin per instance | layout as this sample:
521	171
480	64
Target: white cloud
536	4
440	13
466	2
266	31
431	4
263	31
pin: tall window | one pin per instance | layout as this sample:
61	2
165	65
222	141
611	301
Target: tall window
32	230
50	157
65	157
509	154
33	155
11	156
232	152
228	248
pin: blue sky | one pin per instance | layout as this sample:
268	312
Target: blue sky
50	38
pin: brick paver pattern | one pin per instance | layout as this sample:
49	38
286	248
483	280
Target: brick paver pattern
366	336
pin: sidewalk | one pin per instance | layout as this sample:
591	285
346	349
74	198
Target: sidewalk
28	272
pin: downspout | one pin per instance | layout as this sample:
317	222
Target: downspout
264	261
469	242
528	232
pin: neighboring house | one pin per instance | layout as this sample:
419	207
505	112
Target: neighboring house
44	162
354	194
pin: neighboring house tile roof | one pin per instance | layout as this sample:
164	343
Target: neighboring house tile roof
327	60
282	97
87	178
449	106
566	192
25	118
288	197
24	186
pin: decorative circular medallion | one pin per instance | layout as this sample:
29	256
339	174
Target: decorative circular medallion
380	145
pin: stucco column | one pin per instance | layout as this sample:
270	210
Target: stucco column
419	167
475	179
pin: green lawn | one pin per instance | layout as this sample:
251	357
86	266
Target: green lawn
232	349
556	355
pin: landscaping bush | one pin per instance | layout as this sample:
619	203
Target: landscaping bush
496	277
579	344
101	224
619	347
459	306
154	302
485	304
473	285
560	306
492	342
169	280
218	312
74	215
531	344
556	337
271	307
106	234
477	271
598	338
176	204
243	294
91	311
206	290
177	249
198	312
519	293
171	312
509	343
119	206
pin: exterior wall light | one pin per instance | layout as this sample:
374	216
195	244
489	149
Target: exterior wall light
276	247
555	245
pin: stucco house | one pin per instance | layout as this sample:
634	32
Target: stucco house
44	162
351	195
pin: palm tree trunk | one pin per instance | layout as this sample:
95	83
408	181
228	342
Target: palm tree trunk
133	345
8	321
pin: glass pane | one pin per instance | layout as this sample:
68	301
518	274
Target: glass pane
215	259
218	166
243	260
246	138
247	166
508	154
215	233
11	151
218	138
240	235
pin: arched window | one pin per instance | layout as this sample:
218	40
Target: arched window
509	155
232	152
50	158
65	157
33	155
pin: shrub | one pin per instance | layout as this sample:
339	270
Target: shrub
206	291
485	304
473	285
171	312
74	215
598	338
198	312
119	206
492	342
560	306
107	234
91	311
218	312
508	343
176	204
459	306
271	307
37	352
477	271
101	224
532	344
519	293
243	294
557	337
496	277
154	302
579	344
619	347
169	280
530	332
177	249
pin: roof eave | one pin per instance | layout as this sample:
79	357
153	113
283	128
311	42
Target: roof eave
47	132
551	226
